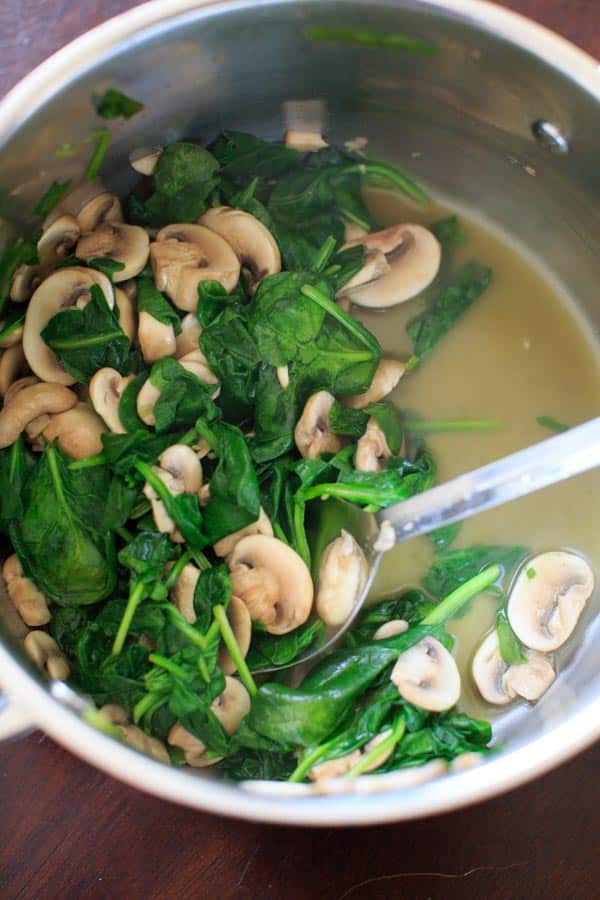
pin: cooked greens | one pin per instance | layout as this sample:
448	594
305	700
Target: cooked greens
113	104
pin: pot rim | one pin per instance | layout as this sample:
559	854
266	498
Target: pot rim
65	725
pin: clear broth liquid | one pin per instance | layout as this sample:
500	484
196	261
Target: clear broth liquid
521	351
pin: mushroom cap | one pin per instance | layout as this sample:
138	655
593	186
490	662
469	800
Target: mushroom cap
232	705
144	159
262	526
145	402
252	242
24	283
104	207
414	256
499	683
187	341
312	433
127	313
61	290
343	573
106	389
183	255
547	598
28	404
182	593
241	625
156	339
183	464
391	629
293	580
12	364
387	375
78	430
372	450
57	240
193	748
127	244
427	676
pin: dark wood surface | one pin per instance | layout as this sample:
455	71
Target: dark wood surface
67	831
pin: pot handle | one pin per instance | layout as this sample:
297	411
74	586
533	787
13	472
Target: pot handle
14	720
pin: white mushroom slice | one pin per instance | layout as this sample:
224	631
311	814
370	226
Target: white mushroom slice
64	289
144	159
127	314
413	254
183	464
312	434
78	431
29	602
26	279
391	629
196	363
372	450
547	599
427	676
163	521
146	400
43	650
333	768
182	593
149	393
133	736
104	207
106	390
129	288
240	622
499	683
126	244
230	707
273	581
31	402
57	240
187	340
17	386
387	375
156	339
304	141
401	779
374	267
262	526
184	255
252	242
343	573
194	749
464	761
12	365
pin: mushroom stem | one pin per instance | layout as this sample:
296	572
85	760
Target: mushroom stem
234	651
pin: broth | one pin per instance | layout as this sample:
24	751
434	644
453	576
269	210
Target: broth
523	350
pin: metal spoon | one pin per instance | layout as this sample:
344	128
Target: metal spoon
521	473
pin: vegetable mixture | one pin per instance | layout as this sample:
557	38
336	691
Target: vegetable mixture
183	374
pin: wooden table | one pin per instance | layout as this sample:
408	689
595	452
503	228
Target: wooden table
67	831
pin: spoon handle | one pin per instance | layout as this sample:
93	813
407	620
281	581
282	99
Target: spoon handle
555	459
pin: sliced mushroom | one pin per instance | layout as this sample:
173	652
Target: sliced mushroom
43	650
372	450
78	430
17	386
313	434
183	464
26	279
240	622
387	375
343	573
467	760
156	339
196	363
182	593
499	683
184	255
391	629
133	736
187	341
126	244
29	403
548	597
29	602
413	254
304	141
12	365
230	707
106	390
62	290
427	676
127	314
149	393
333	768
104	207
146	400
57	241
273	581
252	242
262	526
353	232
163	521
144	159
375	265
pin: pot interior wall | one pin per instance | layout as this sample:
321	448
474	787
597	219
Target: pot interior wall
459	119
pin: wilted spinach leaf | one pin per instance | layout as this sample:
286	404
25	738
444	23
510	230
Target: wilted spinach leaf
113	104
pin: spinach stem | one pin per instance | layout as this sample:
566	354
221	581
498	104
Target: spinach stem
135	598
375	753
163	662
324	254
97	158
203	669
234	651
200	560
354	327
301	544
451	604
143	706
193	636
308	761
176	570
98	459
350	216
280	533
391	174
124	533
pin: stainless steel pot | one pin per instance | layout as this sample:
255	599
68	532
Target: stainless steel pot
463	119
